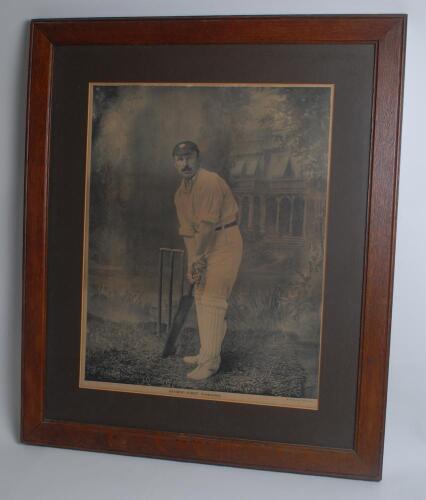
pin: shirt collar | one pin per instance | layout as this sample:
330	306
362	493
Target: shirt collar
188	184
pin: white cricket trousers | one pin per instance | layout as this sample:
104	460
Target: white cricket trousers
211	296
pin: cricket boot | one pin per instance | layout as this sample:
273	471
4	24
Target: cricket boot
212	327
192	360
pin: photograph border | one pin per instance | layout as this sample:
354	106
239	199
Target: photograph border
387	33
257	399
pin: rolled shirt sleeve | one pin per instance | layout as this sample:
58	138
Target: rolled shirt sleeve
209	201
183	211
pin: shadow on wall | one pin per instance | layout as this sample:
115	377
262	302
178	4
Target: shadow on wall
12	319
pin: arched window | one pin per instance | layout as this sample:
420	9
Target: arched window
271	214
298	216
244	212
256	212
285	216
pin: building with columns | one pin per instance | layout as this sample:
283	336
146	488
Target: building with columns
276	204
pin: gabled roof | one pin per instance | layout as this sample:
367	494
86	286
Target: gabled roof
280	165
269	165
246	166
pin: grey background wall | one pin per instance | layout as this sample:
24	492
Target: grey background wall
52	474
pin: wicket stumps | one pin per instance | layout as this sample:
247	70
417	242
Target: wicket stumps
172	262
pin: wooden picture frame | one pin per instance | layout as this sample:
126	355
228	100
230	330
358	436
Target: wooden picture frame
386	35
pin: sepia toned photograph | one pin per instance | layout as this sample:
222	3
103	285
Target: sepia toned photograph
205	240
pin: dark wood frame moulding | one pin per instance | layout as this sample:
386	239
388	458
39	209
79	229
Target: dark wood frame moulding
387	33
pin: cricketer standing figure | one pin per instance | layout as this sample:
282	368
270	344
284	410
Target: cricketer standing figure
208	222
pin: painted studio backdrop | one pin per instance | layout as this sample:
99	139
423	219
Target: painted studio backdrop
271	144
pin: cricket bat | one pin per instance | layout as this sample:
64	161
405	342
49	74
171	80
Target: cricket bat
185	304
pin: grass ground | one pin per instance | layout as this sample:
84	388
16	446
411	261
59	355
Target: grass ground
253	361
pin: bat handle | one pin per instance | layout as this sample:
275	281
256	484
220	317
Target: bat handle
191	289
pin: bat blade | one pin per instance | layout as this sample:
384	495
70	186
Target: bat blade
184	307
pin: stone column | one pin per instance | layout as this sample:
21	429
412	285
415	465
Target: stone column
277	221
305	207
250	214
238	200
290	229
262	222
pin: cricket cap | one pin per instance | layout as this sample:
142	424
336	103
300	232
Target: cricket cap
184	148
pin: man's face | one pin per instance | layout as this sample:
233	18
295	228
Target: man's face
187	164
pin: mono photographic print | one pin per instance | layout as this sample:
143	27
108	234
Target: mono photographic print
205	240
208	267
